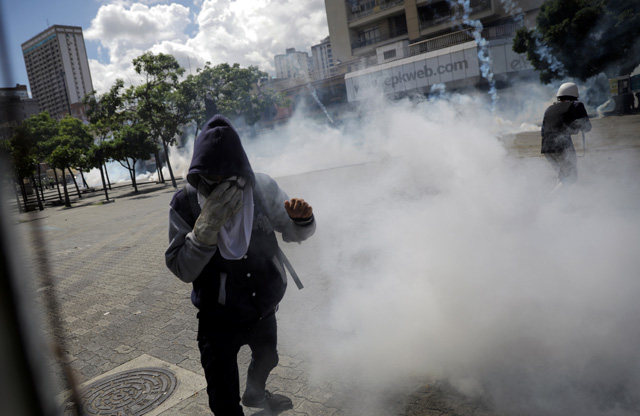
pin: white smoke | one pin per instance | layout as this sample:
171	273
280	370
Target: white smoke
483	48
513	10
446	257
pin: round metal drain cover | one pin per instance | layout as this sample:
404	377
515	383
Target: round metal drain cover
130	393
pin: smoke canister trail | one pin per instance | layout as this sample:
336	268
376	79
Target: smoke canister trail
545	53
314	94
513	10
483	50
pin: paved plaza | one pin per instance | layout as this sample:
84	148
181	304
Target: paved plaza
121	309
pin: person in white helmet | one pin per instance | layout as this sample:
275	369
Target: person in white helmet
563	118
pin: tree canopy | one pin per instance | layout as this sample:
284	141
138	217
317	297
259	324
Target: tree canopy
235	92
126	124
582	38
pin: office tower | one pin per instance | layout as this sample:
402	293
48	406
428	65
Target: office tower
58	70
322	58
293	65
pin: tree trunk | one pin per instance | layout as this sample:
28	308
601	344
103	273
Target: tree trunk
133	175
130	174
55	173
166	153
24	196
159	167
83	180
40	181
104	185
15	182
74	182
35	188
106	172
67	202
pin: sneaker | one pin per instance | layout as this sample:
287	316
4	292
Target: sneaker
270	401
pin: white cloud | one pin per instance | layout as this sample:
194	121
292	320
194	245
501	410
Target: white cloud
218	31
119	28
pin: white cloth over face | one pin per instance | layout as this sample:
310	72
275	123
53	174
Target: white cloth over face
235	234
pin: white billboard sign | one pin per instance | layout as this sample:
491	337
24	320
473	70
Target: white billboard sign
444	65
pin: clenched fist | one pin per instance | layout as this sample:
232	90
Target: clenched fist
297	208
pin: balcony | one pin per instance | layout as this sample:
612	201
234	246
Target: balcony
478	6
462	36
371	41
455	13
368	8
440	42
441	18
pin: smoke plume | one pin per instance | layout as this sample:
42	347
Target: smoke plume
446	257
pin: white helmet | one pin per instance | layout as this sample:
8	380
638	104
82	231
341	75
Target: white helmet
568	89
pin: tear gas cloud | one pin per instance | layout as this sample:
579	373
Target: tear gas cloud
445	256
439	254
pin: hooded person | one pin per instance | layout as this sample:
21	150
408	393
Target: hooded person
222	239
563	118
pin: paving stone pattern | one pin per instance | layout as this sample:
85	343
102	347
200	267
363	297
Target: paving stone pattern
118	300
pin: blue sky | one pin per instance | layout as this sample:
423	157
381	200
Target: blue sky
24	19
249	32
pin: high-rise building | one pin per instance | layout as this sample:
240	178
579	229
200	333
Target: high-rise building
410	46
358	27
293	65
322	59
58	70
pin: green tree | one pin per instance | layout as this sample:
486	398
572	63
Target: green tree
105	114
163	103
23	158
235	92
27	150
130	144
83	140
67	149
582	38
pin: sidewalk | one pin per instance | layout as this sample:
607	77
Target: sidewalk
122	309
123	313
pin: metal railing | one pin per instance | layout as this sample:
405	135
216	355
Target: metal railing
361	11
480	6
442	18
440	42
504	31
364	42
455	13
462	36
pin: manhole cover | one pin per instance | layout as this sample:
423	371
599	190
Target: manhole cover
130	393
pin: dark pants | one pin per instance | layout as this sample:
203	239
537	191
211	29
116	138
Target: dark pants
219	349
565	165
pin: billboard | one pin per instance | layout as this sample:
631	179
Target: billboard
446	65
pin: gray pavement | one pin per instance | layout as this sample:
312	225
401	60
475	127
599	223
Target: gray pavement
119	302
120	307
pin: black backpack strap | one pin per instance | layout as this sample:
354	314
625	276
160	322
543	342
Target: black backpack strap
280	254
289	267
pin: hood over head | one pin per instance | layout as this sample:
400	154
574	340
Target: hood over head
218	152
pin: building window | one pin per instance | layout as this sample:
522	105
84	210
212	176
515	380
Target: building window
390	54
368	36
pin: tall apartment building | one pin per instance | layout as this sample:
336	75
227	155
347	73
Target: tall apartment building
322	59
58	70
293	65
408	45
358	27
